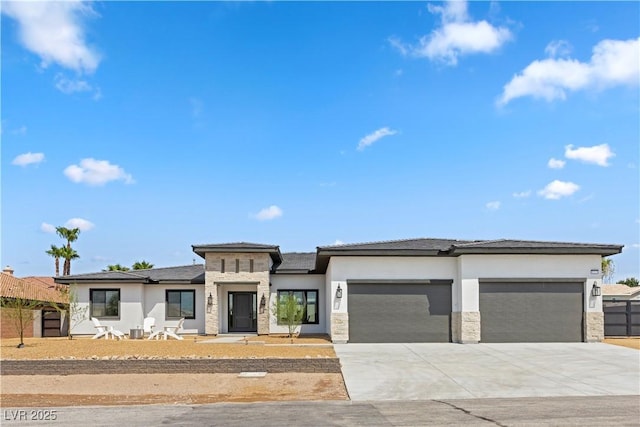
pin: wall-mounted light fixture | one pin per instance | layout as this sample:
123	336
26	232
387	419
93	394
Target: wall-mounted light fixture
210	300
339	292
263	303
596	291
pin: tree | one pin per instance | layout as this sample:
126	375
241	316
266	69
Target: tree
56	253
629	281
71	307
18	308
141	265
70	235
289	311
116	267
608	270
68	254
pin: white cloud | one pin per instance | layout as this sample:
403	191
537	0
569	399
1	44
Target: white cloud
22	130
555	163
197	107
47	228
493	206
28	159
338	242
96	172
558	189
613	63
375	136
635	245
598	154
269	213
522	194
55	32
558	48
67	86
457	36
82	224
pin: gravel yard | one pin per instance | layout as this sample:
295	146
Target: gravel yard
136	389
190	347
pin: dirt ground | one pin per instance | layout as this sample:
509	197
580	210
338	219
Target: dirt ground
625	342
139	389
190	347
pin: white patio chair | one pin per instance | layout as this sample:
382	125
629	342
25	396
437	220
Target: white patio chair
147	325
172	331
105	331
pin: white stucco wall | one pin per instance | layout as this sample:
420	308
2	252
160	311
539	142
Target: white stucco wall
155	306
475	267
299	282
131	308
138	301
342	269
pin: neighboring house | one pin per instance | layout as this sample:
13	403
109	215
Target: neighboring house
621	306
416	290
47	321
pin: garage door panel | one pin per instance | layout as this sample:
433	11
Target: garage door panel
531	312
399	313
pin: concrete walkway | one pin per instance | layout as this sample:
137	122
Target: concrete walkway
458	371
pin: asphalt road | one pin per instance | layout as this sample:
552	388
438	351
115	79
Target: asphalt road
539	411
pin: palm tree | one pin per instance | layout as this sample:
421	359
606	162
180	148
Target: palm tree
68	254
56	252
142	265
116	267
70	235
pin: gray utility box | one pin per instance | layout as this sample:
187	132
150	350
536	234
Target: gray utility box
136	334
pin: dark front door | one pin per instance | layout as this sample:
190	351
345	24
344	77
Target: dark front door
242	312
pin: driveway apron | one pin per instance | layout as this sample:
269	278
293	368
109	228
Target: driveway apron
462	371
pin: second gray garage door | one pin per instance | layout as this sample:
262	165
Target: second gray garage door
399	312
531	311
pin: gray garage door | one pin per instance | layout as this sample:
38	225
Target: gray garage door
399	312
531	312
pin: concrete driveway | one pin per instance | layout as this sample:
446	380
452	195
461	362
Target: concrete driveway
458	371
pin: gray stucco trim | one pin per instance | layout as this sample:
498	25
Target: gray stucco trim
222	283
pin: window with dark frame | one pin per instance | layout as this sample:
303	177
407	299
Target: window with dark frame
237	265
307	301
105	303
250	266
222	266
181	303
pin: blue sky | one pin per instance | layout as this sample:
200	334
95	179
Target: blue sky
153	126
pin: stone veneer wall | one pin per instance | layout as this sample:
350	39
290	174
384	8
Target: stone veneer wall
167	366
593	326
465	327
339	327
214	277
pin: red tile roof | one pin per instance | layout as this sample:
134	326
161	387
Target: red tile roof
32	288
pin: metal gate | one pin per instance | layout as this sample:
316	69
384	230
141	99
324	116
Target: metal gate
621	318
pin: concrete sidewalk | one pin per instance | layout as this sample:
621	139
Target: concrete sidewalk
456	371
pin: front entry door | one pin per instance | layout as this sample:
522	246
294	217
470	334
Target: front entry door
242	312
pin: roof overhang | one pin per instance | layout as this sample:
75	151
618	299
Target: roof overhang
602	250
273	251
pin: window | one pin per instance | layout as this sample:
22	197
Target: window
105	302
307	303
237	265
222	266
250	266
181	304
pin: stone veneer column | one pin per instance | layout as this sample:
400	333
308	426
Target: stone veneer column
465	327
339	327
593	326
257	281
